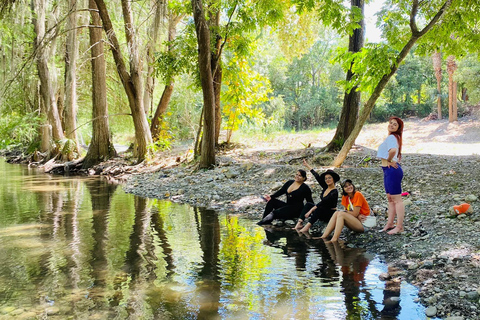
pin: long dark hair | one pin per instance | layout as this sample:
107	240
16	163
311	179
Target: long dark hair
398	134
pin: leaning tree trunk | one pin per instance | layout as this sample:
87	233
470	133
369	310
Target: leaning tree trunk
437	66
367	108
452	92
207	158
132	82
46	85
155	126
351	99
71	54
101	147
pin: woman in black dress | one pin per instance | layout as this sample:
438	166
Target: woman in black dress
328	200
297	191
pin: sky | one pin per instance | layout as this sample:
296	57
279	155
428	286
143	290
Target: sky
372	33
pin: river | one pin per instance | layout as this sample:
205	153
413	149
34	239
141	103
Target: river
81	248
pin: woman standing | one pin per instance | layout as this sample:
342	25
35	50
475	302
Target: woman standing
390	152
296	190
325	209
356	211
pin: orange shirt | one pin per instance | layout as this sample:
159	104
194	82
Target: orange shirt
358	200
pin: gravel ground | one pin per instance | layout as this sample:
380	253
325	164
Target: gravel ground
439	252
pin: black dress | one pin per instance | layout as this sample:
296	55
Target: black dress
325	208
294	205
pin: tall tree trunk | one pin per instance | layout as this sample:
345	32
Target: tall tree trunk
216	66
151	48
351	100
155	127
101	147
131	81
207	158
71	54
367	108
452	96
46	85
437	66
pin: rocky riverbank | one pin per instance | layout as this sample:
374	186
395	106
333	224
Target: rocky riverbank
439	252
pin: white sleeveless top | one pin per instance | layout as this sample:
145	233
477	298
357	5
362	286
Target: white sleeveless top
389	143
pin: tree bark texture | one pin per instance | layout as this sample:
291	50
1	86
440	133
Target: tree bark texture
351	100
452	96
101	147
155	127
216	71
131	81
207	157
46	85
71	54
151	48
416	34
437	66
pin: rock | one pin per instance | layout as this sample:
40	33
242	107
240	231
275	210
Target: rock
407	202
431	311
471	198
455	318
384	276
472	295
52	310
230	174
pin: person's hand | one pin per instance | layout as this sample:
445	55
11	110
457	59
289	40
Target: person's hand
392	164
362	217
305	163
267	197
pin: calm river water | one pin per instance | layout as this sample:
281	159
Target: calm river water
80	248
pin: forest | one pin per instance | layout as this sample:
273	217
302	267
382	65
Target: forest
80	77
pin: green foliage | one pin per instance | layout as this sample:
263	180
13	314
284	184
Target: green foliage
18	130
468	76
246	89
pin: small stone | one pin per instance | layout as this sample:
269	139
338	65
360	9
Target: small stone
428	264
471	198
455	318
52	310
407	202
431	311
384	276
472	295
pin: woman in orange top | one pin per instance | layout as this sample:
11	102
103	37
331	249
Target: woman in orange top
357	210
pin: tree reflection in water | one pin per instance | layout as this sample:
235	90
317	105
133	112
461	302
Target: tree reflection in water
82	248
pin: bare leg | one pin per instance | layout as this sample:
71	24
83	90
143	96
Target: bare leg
391	214
330	225
306	227
345	218
400	212
299	224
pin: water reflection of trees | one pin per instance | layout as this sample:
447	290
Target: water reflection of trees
97	252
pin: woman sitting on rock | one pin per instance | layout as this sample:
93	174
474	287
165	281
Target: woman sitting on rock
325	209
297	191
357	210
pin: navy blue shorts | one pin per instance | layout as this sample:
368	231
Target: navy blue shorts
392	180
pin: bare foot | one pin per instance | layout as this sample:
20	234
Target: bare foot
297	227
395	230
334	239
324	236
388	228
304	229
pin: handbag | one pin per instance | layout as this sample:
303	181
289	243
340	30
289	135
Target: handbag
370	221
